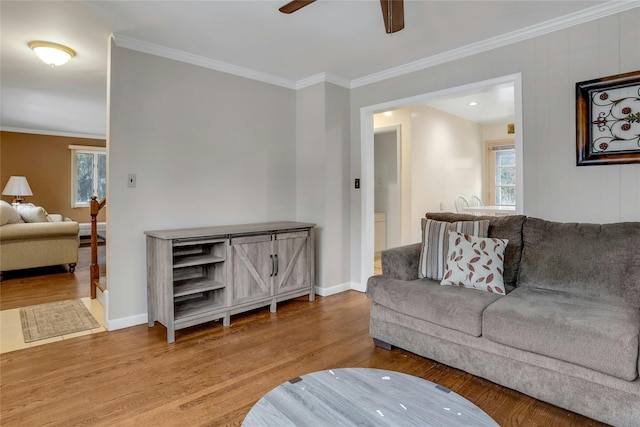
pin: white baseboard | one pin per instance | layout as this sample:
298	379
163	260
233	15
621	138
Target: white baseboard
127	322
359	287
336	289
139	319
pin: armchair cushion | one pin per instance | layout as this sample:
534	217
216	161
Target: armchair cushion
8	215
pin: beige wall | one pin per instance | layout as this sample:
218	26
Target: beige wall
46	163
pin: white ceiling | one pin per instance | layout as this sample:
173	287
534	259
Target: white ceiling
339	41
492	104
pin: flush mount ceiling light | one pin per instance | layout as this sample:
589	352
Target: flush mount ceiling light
473	103
52	53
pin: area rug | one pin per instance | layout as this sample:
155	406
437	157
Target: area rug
54	319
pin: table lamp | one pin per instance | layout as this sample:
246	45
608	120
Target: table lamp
17	187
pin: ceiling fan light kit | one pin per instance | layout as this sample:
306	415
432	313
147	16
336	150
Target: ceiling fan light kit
392	12
52	53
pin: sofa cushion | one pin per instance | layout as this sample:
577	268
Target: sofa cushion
32	213
588	332
503	227
591	260
435	243
8	215
451	307
475	262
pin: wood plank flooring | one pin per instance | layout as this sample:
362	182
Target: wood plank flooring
21	288
213	375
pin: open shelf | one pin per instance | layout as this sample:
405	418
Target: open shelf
195	307
196	260
190	287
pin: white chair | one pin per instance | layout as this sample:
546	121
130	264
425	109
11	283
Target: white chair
461	202
474	202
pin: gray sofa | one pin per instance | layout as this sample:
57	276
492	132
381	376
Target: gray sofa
567	332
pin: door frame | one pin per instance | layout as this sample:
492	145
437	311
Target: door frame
366	157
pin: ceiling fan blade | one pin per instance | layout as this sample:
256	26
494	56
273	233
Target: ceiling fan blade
295	5
393	15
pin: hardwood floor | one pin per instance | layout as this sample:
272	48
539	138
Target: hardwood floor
213	375
21	288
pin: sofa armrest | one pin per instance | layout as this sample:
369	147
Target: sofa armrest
402	262
38	230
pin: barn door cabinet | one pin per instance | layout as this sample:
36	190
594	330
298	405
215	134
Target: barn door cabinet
197	275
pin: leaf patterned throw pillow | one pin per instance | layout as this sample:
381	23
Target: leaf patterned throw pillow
475	262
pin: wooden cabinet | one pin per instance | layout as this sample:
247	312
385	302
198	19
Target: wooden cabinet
201	274
277	265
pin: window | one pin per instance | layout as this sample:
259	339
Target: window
501	159
88	174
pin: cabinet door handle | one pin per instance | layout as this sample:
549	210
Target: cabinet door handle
276	259
272	269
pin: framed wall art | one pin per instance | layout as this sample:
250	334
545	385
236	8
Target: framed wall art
608	120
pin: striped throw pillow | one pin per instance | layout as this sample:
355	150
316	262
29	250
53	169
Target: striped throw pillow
435	243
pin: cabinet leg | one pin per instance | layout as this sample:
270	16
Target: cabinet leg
226	320
171	335
274	306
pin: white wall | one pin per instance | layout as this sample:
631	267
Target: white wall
554	188
493	131
446	162
208	148
444	159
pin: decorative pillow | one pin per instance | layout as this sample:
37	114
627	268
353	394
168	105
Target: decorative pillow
32	213
8	215
435	243
475	262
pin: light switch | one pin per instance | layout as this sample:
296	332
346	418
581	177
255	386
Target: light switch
131	180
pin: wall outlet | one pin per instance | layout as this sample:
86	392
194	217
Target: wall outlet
131	180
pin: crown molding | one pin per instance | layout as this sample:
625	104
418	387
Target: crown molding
53	133
323	78
201	61
587	15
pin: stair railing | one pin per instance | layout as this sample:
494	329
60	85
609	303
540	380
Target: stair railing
94	269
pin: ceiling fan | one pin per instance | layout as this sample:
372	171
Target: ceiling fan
392	12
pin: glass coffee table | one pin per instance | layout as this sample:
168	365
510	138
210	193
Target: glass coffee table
362	396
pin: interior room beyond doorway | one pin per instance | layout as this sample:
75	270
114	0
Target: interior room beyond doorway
442	152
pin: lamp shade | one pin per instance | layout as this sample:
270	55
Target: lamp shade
17	186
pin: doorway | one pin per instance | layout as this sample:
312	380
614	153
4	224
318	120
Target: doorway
367	225
387	191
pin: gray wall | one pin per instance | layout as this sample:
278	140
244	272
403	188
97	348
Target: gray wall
212	148
322	165
208	148
554	188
